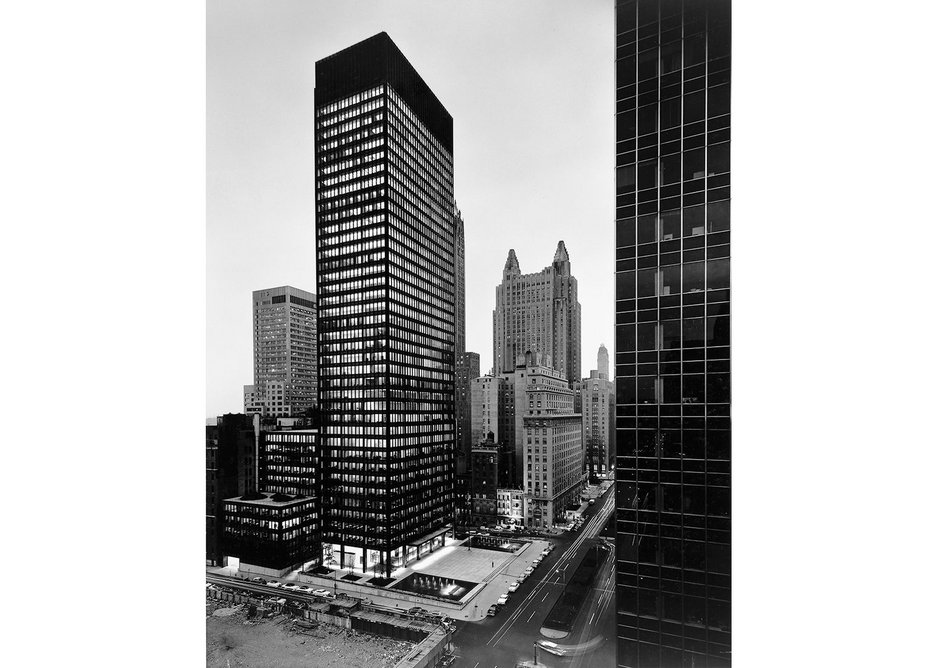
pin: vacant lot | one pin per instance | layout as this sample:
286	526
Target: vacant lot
233	641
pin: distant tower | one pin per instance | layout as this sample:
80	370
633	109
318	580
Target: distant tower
602	361
460	265
538	313
285	355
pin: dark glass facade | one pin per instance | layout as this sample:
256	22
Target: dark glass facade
672	363
276	531
229	471
385	249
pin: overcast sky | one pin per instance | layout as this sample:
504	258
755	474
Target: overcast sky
529	84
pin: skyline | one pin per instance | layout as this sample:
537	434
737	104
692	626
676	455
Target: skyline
260	223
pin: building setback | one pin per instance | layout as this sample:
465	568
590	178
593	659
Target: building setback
284	353
538	313
672	349
387	290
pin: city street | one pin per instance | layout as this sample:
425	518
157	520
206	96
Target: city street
509	637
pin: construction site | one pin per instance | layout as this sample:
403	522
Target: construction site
245	628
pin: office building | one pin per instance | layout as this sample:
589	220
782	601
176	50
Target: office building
672	349
549	440
598	405
230	470
386	284
539	313
272	533
459	235
467	370
284	352
289	462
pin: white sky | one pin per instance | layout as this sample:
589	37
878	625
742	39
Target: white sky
529	86
103	170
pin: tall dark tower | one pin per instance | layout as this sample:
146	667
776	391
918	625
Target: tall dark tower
459	229
385	254
672	350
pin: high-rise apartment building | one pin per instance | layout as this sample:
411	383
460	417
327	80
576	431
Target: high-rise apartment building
387	306
672	349
284	352
537	313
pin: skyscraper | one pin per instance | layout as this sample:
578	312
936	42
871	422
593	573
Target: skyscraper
385	277
284	352
538	313
602	361
597	404
460	264
672	333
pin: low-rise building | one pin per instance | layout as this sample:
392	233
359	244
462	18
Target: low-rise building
273	534
510	506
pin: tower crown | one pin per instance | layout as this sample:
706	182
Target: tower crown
512	268
562	259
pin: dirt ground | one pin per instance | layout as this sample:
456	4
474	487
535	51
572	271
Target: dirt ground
233	641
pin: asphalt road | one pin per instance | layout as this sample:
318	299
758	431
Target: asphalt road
509	637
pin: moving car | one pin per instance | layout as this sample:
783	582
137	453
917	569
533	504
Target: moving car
513	587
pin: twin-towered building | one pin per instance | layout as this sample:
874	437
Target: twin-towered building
537	313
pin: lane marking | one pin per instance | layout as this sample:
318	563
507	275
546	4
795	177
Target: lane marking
567	557
533	612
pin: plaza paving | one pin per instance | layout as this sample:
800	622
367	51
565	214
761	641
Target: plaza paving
495	569
462	563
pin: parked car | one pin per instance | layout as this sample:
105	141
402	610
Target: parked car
502	600
290	586
304	589
528	570
513	587
324	593
592	502
492	611
259	579
274	583
545	553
